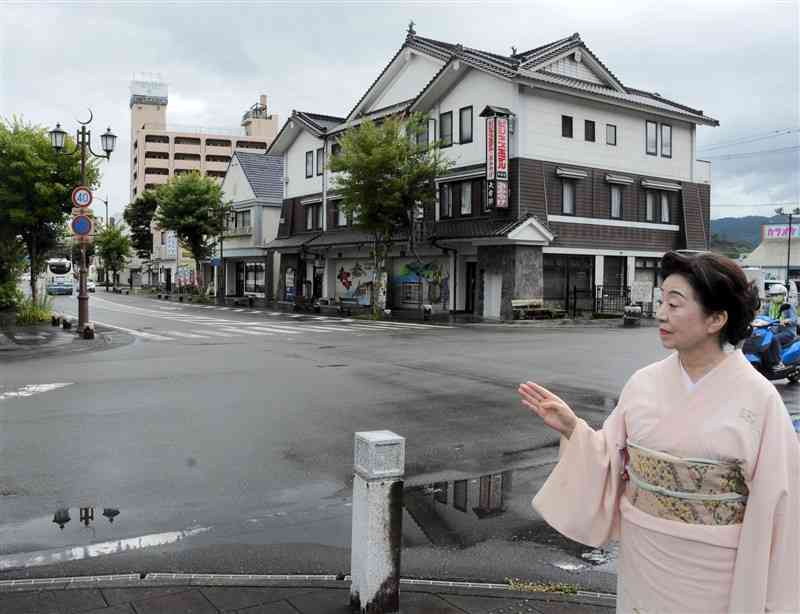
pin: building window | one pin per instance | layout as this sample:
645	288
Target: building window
567	197
217	143
187	156
163	238
611	134
446	201
466	198
242	219
410	292
446	128
336	149
254	277
588	130
616	201
666	140
652	138
341	217
186	140
158	155
650	206
421	138
214	158
665	207
309	217
465	125
250	145
309	164
320	160
157	138
566	126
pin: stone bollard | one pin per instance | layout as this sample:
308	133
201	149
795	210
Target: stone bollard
377	522
88	331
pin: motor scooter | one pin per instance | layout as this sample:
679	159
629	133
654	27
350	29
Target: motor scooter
790	355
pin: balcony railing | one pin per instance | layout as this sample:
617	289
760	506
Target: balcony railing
241	231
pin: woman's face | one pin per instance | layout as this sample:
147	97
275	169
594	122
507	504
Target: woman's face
683	324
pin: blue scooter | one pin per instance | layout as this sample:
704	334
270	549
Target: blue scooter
790	355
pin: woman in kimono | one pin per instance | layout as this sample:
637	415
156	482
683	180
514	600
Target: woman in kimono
696	471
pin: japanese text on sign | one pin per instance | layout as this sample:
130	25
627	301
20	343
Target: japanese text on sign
780	231
490	148
502	148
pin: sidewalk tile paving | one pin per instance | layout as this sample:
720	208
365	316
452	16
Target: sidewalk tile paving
283	600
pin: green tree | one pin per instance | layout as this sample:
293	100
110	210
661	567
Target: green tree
387	172
138	216
35	188
113	247
191	206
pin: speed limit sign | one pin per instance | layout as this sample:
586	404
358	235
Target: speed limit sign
81	196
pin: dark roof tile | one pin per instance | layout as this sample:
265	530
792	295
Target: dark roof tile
263	172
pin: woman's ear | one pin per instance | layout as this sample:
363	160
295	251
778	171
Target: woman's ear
717	321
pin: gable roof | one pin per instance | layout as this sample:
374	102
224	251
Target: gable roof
264	173
315	123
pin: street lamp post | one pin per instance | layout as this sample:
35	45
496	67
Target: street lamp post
83	145
790	214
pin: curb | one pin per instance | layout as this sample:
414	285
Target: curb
135	580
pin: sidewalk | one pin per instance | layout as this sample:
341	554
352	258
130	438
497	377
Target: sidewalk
207	594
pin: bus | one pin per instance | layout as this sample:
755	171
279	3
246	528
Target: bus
58	276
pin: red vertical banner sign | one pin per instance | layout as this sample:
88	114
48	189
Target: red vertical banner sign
491	154
501	164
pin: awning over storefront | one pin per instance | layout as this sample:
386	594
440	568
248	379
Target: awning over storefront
346	237
291	244
488	232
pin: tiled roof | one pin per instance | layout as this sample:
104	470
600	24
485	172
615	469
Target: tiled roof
321	122
293	241
263	172
473	229
347	237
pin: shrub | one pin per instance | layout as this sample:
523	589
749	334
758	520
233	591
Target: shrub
30	312
10	295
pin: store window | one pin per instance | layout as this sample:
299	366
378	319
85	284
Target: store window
254	277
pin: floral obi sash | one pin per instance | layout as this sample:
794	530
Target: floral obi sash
690	490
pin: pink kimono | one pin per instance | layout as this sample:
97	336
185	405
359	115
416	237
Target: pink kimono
737	552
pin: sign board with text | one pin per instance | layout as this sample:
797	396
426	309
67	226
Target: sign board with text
497	172
779	231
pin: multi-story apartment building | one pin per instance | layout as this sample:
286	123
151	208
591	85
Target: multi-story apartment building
160	151
582	182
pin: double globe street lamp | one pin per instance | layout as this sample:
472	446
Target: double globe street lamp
83	145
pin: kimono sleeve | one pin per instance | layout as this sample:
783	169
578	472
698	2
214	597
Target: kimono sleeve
767	573
580	498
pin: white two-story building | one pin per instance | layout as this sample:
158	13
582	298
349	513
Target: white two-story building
584	182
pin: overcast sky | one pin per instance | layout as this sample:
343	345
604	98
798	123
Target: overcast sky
738	60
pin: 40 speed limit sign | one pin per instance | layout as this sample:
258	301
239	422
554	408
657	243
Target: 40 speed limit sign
81	196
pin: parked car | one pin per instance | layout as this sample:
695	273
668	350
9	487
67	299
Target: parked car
90	286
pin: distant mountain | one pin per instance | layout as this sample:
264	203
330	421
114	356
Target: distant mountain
743	229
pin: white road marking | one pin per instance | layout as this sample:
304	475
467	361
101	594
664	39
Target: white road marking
255	312
277	329
215	333
31	389
177	333
136	333
238	310
248	332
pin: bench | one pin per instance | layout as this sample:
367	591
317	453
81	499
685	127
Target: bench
526	308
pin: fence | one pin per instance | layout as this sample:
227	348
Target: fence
605	300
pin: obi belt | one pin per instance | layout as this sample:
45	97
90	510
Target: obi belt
690	490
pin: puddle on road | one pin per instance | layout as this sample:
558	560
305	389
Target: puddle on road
492	507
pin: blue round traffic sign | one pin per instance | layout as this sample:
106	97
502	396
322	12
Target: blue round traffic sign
81	225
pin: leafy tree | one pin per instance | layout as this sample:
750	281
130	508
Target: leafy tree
35	188
385	175
138	216
114	248
191	206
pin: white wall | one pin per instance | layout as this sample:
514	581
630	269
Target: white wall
298	184
235	186
270	220
412	77
543	141
478	89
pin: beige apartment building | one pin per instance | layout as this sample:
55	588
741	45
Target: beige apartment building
160	151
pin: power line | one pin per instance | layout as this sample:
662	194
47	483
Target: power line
750	139
743	205
749	154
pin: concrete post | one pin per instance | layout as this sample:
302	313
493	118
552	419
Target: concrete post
377	522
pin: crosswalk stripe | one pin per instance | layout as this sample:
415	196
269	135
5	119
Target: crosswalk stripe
275	313
253	311
277	329
222	308
238	310
176	333
247	331
296	315
214	333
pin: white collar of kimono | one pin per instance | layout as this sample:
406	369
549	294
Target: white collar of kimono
690	385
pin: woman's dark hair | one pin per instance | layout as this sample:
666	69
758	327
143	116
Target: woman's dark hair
720	285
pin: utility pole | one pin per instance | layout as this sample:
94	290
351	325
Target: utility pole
789	214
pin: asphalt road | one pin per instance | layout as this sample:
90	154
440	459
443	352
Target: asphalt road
225	440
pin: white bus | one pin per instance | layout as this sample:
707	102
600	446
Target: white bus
58	276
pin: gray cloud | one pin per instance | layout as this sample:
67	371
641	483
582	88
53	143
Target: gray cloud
737	60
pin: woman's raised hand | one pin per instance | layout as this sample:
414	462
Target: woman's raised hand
549	407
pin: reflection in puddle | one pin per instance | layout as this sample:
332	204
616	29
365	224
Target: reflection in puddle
86	515
491	507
